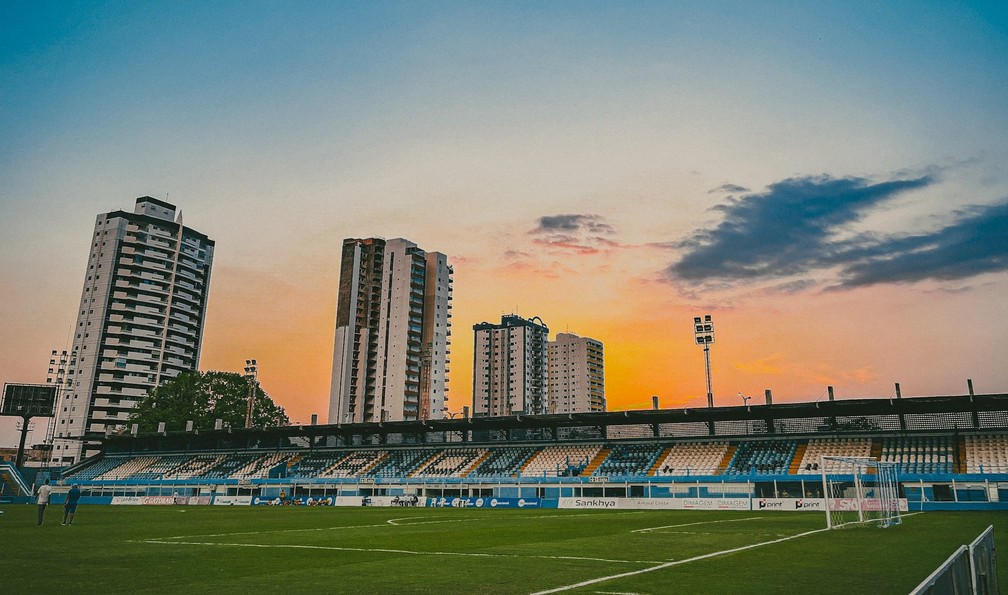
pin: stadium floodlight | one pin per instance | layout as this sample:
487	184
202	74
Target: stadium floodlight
251	374
703	332
745	403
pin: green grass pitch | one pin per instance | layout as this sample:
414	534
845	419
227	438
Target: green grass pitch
416	550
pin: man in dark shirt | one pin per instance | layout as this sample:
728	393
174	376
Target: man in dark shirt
70	506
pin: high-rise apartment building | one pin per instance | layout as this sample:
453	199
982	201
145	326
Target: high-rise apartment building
140	321
393	328
576	375
510	367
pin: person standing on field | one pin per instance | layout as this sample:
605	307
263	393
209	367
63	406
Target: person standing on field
43	500
70	506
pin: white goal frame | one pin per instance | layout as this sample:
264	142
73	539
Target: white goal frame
873	494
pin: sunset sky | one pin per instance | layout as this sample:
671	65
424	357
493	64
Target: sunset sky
828	180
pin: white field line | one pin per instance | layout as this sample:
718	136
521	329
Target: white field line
754	518
405	518
388	551
675	563
279	530
272	531
387	523
595	514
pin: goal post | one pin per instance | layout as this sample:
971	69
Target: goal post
860	490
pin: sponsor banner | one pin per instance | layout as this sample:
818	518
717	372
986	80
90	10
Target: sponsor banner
278	501
398	501
348	501
593	503
232	500
715	503
787	504
868	504
159	500
656	503
488	502
127	500
264	501
319	501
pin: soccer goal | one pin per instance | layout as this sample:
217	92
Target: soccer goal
860	490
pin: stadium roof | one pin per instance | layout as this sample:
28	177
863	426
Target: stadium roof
941	413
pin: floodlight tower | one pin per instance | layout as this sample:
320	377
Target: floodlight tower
703	330
251	373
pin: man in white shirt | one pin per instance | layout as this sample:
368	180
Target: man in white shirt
43	500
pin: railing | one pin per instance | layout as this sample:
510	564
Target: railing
970	570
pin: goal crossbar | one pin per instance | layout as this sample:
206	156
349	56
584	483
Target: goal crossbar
860	490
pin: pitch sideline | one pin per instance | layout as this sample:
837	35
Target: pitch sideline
675	563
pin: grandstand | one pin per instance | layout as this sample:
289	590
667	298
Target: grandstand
949	451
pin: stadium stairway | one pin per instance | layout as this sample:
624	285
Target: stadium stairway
438	454
12	478
475	466
378	461
798	457
594	464
657	464
726	459
528	461
876	449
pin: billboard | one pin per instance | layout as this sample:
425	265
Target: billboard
29	400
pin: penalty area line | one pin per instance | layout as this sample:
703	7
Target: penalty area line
299	546
386	524
674	563
752	518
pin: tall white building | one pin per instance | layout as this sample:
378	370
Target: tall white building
510	367
576	375
140	321
393	328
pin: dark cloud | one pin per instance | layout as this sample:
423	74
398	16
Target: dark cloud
581	234
728	188
784	231
592	224
791	230
975	244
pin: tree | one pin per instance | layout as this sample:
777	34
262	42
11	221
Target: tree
203	398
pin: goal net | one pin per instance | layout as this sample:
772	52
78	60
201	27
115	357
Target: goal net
860	490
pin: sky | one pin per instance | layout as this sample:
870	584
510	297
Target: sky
828	180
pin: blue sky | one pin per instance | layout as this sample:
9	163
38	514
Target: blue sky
652	129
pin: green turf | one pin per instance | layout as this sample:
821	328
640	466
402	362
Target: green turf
358	550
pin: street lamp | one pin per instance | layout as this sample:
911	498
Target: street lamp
703	331
251	372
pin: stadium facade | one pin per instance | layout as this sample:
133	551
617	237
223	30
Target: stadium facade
949	452
393	329
140	321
